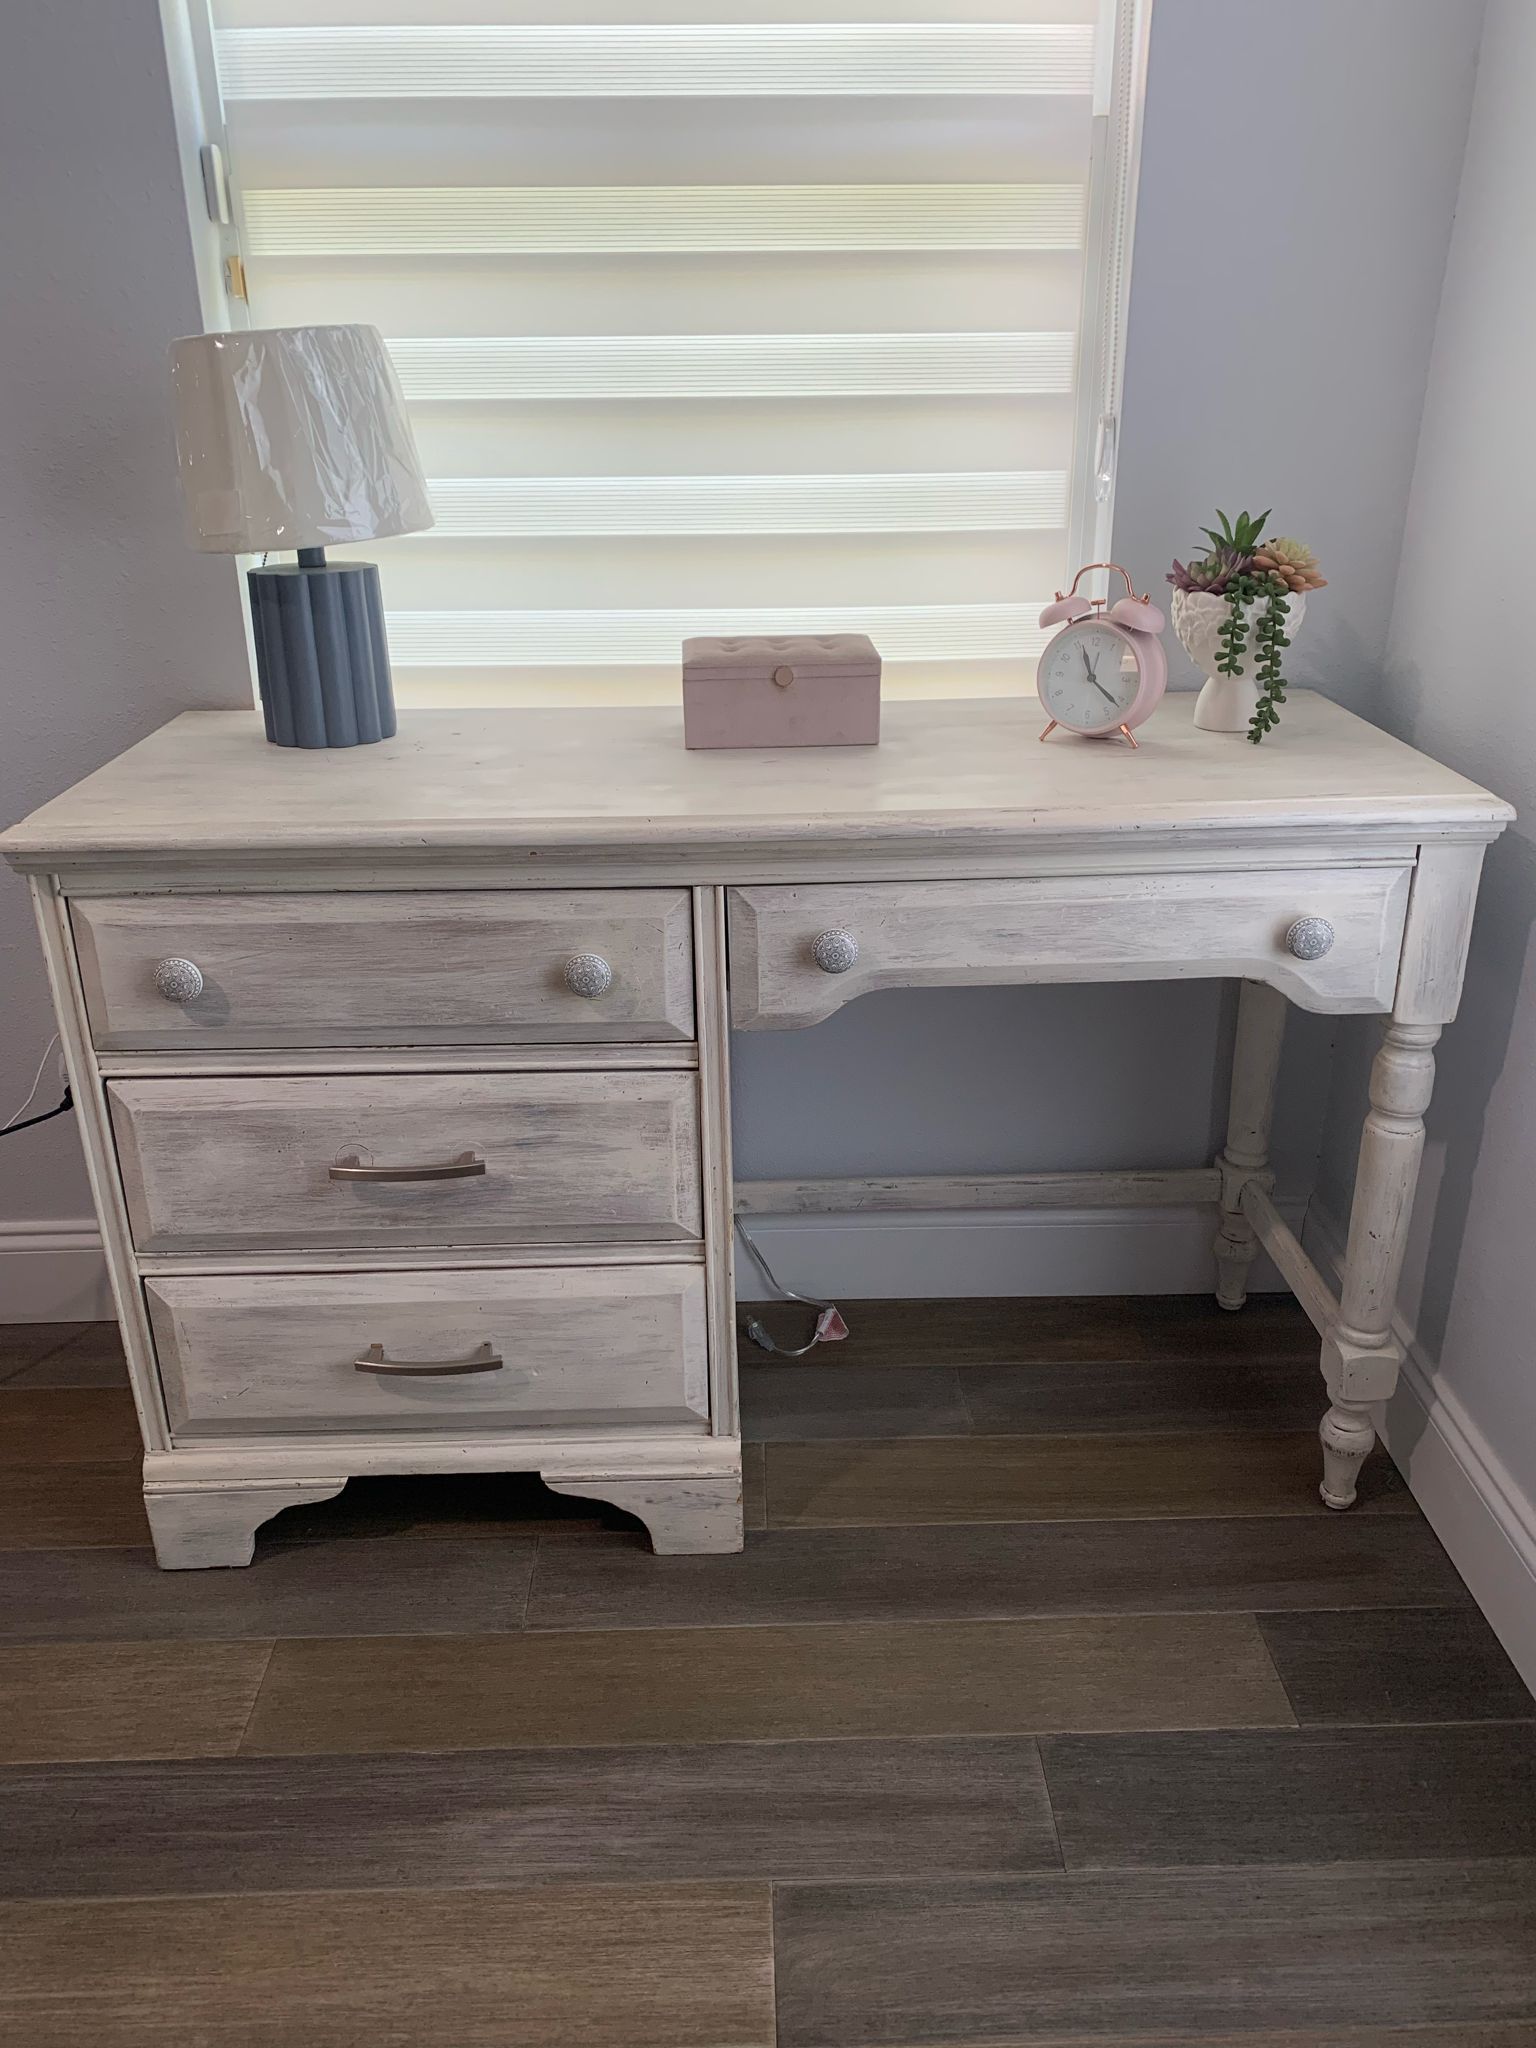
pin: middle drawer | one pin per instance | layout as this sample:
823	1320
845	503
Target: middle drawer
316	1161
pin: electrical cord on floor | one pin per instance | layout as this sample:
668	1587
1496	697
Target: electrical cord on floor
829	1328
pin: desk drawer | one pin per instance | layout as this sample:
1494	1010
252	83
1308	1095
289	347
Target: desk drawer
1155	927
464	967
319	1161
605	1348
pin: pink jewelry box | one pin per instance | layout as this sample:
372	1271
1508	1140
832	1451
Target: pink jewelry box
804	691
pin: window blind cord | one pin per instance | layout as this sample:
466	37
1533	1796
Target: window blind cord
15	1123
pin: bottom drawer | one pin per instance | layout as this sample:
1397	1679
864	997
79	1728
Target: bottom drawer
528	1348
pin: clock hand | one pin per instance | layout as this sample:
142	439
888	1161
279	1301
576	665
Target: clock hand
1093	676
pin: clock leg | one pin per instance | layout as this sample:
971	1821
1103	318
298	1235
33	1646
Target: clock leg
1049	730
1360	1354
1127	734
1255	1064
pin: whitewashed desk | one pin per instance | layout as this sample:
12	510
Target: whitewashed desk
423	1162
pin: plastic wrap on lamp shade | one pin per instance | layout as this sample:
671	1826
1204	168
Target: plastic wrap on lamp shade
293	437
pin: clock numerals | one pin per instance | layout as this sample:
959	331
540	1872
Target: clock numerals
1088	679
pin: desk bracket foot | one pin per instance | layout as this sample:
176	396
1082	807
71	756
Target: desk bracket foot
203	1523
688	1517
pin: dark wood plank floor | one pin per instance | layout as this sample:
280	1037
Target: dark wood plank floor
1046	1706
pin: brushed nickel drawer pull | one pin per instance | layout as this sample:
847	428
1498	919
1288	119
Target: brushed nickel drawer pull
484	1359
352	1168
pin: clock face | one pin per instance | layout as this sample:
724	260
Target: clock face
1088	677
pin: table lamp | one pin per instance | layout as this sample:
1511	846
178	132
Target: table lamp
297	437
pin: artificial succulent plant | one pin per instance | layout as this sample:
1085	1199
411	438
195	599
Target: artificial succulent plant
1256	577
1210	573
1292	561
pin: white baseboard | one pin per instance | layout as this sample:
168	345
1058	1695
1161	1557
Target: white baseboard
1469	1496
919	1254
53	1272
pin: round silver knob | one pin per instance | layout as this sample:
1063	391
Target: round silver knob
179	981
1309	938
588	974
835	952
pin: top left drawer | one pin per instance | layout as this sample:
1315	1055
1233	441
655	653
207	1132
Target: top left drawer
465	967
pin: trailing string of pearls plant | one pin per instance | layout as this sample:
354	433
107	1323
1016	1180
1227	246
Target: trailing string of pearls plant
1261	587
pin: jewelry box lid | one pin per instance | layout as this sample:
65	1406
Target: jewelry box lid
752	658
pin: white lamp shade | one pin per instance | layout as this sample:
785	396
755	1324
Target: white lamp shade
293	437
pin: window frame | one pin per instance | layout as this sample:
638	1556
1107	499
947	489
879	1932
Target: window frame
1113	177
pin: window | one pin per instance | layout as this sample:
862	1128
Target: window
776	315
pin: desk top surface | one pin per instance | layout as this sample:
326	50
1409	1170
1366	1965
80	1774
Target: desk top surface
619	780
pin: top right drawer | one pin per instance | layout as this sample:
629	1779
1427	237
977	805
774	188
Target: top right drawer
1328	938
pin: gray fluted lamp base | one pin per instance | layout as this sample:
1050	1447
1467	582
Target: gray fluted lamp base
322	662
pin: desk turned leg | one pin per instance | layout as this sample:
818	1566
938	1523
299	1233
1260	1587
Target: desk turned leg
1360	1355
1255	1063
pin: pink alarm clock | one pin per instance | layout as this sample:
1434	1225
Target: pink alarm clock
1105	672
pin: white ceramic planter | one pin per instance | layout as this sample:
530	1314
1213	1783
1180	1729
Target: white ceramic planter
1227	703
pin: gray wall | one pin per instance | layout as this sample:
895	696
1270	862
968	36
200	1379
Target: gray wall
1290	243
1459	685
1298	185
1276	349
112	625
